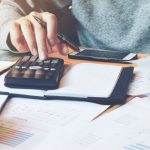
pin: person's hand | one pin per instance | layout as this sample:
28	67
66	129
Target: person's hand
27	34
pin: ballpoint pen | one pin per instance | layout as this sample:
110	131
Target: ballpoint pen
61	37
5	101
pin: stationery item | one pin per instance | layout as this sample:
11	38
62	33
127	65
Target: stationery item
104	84
126	128
24	124
30	71
3	102
60	36
4	65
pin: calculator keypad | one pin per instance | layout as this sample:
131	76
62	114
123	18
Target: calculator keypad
32	72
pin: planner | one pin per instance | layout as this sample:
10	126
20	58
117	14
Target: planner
98	83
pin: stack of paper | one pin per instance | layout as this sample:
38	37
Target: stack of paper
5	64
126	128
25	123
140	84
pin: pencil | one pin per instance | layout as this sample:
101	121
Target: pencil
61	37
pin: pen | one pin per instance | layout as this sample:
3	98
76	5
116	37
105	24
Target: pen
60	36
4	104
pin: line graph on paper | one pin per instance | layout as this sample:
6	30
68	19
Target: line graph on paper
13	138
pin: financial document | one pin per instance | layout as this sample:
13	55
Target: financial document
5	64
25	123
140	84
126	128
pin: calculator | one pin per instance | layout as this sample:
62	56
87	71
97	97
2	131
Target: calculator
31	72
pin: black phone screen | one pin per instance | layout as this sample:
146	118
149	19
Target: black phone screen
101	55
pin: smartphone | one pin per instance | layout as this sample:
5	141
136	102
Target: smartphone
102	55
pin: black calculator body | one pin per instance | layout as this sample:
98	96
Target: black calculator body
31	72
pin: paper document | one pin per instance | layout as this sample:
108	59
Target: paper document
140	84
25	123
142	61
95	79
5	64
126	128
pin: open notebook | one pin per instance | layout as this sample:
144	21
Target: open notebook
105	84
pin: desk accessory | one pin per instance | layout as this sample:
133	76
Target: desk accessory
31	72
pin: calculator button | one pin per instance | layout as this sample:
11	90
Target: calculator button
35	67
22	62
55	61
39	74
47	61
39	62
48	75
28	73
53	69
46	65
46	69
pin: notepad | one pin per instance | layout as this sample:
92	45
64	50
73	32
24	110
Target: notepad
88	80
85	81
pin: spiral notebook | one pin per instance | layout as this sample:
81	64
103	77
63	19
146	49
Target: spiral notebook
99	83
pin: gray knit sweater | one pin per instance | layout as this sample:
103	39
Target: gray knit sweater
122	25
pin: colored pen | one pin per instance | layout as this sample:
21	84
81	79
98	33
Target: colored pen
60	36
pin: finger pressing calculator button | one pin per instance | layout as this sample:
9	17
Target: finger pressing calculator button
39	62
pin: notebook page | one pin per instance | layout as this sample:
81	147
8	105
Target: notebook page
88	80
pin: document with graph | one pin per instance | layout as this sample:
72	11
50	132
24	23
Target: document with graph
25	123
126	128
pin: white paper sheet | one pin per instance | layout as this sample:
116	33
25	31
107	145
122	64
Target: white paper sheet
126	128
5	64
25	123
88	80
140	84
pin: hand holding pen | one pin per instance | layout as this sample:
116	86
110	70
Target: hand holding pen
28	34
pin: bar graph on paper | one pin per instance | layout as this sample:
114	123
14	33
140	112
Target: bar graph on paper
13	138
137	146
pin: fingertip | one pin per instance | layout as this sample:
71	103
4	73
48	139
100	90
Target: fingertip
34	52
65	49
43	55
